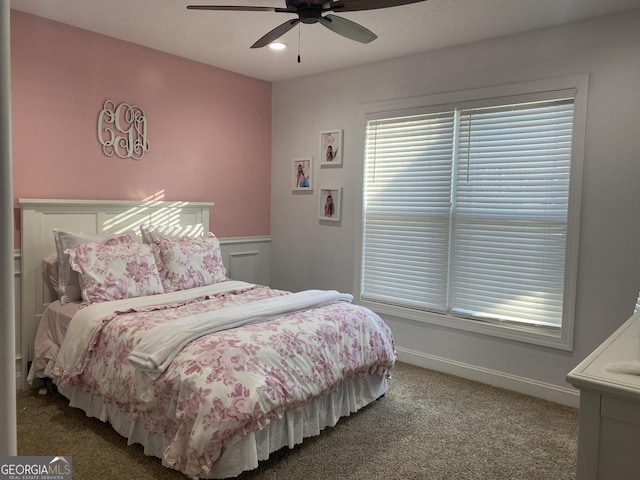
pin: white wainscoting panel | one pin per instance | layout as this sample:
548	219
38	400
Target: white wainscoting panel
242	266
247	258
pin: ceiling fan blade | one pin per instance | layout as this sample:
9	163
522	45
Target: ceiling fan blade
276	33
241	8
358	5
231	7
347	28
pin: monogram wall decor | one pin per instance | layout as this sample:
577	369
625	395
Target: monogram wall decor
122	130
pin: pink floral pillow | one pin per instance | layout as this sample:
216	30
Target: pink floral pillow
113	272
68	281
189	262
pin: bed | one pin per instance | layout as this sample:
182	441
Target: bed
208	373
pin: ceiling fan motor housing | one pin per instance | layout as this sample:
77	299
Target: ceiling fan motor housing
310	13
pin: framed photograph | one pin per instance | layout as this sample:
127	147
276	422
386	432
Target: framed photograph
301	173
331	147
330	203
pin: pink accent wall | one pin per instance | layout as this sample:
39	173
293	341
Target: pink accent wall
209	129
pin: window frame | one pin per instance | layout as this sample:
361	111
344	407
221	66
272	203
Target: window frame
557	338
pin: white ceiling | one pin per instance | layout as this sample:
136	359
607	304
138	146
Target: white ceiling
223	38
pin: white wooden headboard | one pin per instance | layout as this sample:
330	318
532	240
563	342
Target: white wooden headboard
40	216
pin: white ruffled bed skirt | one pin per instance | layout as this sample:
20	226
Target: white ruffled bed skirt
290	430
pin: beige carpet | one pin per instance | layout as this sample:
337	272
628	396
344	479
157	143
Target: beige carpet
428	426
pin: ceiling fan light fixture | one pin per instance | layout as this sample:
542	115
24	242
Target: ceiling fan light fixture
277	45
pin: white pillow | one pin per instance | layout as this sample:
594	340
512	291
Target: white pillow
151	233
117	271
68	283
51	274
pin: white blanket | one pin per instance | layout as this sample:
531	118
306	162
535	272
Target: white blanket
160	346
86	322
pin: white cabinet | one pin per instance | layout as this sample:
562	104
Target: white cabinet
609	430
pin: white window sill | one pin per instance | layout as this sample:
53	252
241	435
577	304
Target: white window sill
541	336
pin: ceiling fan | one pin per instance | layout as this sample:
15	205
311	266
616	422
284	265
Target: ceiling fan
311	11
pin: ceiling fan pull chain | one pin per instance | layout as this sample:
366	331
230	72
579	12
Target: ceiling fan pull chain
299	43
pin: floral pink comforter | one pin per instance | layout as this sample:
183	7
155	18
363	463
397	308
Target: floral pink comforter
223	385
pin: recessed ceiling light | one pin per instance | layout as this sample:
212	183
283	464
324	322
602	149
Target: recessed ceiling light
277	45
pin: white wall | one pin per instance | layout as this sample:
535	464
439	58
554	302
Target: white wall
306	254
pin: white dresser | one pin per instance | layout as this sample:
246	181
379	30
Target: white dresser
609	431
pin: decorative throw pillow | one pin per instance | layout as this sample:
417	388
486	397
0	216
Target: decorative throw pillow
190	262
68	282
151	233
116	271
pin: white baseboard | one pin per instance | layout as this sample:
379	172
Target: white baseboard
545	391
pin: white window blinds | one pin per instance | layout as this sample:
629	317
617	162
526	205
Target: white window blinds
407	200
465	211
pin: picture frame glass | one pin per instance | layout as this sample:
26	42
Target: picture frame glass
330	203
331	147
301	174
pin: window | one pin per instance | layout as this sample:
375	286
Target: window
469	217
